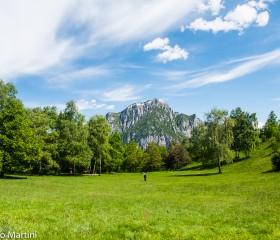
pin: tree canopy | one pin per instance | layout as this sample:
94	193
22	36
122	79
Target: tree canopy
73	139
98	140
18	146
211	141
245	131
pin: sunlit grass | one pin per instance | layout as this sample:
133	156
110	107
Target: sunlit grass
241	203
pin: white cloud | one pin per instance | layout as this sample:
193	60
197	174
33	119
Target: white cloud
82	104
169	53
249	65
32	104
261	124
239	19
92	104
214	6
121	94
260	4
172	53
242	16
263	19
37	34
121	21
215	26
28	40
157	44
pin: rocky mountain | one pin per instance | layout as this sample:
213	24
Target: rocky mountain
150	121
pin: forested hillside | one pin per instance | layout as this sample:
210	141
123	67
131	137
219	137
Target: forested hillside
43	141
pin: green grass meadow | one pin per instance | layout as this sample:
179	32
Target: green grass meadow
241	203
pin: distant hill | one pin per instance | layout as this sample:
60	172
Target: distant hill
149	121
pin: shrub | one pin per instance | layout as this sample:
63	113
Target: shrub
276	160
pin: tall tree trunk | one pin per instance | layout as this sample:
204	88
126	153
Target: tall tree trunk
2	172
219	165
99	166
94	166
91	166
40	167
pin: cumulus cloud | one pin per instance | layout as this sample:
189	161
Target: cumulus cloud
262	19
262	4
83	104
157	44
169	53
172	53
216	25
214	6
242	17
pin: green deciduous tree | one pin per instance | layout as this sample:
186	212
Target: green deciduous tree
245	132
116	153
43	122
99	132
275	139
197	144
164	153
219	136
178	156
73	139
133	158
276	160
153	159
270	125
18	146
271	132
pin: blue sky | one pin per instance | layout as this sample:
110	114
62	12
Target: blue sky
105	55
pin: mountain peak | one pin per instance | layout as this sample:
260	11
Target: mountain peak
154	102
149	121
157	101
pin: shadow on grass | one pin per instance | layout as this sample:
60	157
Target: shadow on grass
267	155
236	160
268	147
14	177
199	167
68	175
271	171
195	175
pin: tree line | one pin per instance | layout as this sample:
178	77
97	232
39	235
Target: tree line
43	141
222	137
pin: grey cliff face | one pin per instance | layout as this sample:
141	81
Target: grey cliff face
151	121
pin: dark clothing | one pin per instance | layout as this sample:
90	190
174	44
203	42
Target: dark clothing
145	177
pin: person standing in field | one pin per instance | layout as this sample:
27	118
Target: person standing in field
145	176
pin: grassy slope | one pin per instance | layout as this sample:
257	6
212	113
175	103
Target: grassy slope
241	203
